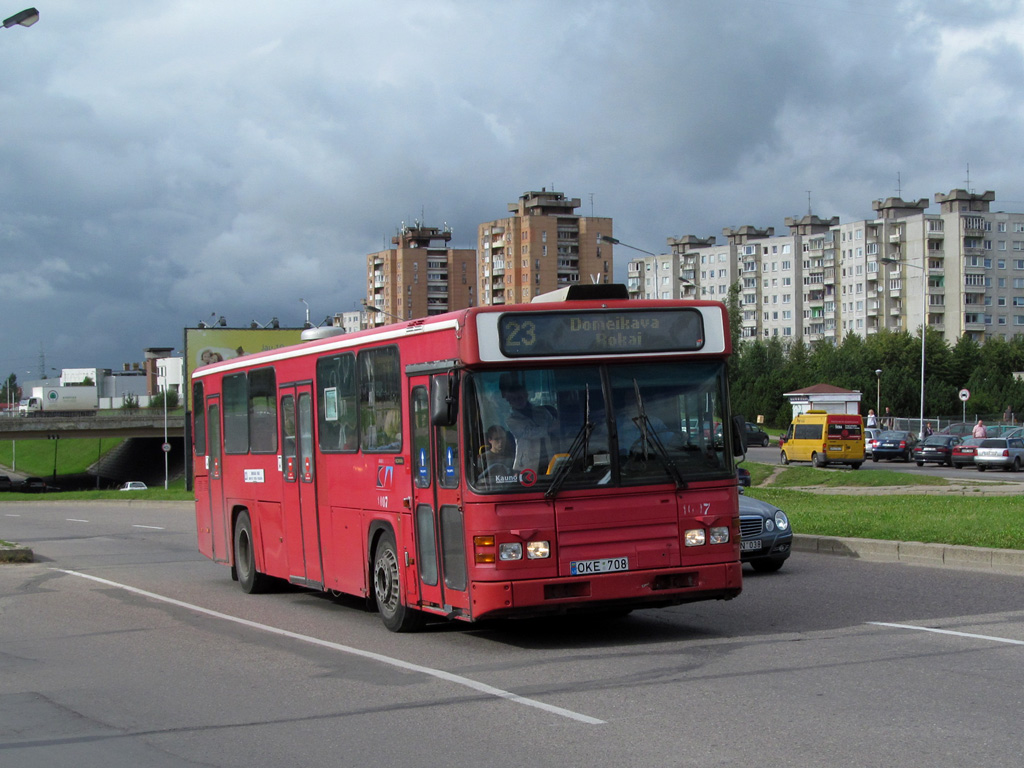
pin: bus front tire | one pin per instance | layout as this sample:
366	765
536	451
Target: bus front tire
251	580
387	589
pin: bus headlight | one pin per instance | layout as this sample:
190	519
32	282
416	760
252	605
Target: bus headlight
538	550
694	538
720	534
511	550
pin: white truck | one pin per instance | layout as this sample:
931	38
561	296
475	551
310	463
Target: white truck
60	400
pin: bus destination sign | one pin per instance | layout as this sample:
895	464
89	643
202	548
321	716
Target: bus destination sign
600	332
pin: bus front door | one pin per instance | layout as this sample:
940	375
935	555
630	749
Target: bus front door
439	540
298	469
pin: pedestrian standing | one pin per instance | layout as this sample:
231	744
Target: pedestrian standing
979	429
872	418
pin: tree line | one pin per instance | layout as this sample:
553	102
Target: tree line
763	370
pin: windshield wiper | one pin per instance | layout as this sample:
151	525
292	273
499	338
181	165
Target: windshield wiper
579	447
648	434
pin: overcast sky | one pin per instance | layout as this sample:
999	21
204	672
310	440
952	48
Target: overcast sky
162	161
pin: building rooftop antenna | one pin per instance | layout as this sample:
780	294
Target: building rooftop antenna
899	185
809	212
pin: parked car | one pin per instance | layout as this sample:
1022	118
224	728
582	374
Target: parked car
756	435
765	535
743	477
133	485
5	483
1006	453
1016	432
937	449
31	485
964	453
893	444
870	435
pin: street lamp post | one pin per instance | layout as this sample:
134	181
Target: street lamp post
878	394
377	310
924	326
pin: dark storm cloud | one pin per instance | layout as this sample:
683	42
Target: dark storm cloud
166	160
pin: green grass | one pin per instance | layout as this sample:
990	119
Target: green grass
979	521
801	477
74	455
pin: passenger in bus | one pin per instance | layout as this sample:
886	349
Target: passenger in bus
531	426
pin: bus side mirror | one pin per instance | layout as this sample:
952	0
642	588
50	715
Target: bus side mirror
444	400
739	436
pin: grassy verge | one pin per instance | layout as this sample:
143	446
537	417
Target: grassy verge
175	492
74	455
992	521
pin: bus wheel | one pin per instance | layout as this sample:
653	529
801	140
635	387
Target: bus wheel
817	460
387	588
783	458
251	580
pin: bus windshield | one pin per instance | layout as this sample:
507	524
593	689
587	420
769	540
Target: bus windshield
548	429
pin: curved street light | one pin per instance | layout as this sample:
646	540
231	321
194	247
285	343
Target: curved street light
25	18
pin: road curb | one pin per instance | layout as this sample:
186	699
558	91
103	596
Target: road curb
16	554
1005	561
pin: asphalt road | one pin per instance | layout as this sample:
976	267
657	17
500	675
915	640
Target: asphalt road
123	647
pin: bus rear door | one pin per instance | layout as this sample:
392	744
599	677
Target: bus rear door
220	523
298	469
440	543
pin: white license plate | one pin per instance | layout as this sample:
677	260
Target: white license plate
747	546
835	447
605	565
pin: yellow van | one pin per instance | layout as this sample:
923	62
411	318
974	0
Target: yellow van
824	438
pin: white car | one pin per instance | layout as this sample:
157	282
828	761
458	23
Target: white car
870	434
133	486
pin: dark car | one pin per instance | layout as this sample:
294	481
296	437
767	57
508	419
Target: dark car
5	483
893	444
964	453
757	436
31	485
743	477
765	536
937	449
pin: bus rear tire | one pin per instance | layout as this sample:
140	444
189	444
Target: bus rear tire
387	588
817	460
783	458
251	580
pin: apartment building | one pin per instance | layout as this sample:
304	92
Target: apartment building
544	245
960	270
420	276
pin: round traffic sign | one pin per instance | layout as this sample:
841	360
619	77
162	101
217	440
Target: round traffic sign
166	447
965	395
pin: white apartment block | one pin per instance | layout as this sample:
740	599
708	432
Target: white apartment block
960	269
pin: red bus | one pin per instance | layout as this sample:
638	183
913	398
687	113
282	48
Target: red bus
492	462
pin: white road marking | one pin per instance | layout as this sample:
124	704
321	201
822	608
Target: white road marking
949	632
75	520
150	527
438	673
12	515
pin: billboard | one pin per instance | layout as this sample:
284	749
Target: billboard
211	345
